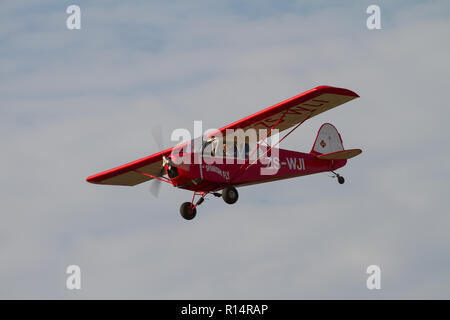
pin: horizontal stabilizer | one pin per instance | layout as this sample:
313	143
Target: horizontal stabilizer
340	155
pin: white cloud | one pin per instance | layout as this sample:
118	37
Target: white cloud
78	103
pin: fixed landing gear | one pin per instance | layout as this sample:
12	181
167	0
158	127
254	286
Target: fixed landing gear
340	178
230	195
188	210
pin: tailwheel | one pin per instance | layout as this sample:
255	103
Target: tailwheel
187	211
230	195
340	178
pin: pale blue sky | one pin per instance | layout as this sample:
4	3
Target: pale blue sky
73	103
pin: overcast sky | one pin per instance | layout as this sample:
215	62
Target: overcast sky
77	102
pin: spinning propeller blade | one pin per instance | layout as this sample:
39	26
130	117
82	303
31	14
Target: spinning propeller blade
155	184
157	136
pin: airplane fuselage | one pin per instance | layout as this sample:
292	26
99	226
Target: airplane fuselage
206	174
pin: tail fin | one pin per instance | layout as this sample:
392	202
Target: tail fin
328	140
328	145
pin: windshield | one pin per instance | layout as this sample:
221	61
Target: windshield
195	145
214	147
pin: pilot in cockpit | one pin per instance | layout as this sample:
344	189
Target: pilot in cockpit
233	151
229	152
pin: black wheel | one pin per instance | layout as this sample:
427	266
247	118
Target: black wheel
230	195
341	180
187	212
172	172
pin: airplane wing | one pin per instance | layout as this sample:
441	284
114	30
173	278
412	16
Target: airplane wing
285	114
126	175
293	111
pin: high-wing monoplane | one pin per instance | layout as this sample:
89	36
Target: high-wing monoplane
240	154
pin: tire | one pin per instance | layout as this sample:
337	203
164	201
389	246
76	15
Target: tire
341	180
187	212
230	195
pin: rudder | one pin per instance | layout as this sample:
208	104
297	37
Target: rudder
328	140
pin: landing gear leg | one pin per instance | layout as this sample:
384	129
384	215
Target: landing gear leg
188	210
340	178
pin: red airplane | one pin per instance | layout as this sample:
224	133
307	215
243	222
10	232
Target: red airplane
200	165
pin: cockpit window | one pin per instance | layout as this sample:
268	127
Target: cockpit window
210	147
195	145
215	148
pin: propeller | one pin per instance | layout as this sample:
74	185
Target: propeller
155	184
156	132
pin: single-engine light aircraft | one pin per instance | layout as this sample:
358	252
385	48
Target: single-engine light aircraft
239	154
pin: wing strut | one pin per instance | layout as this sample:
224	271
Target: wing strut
164	179
257	147
270	148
